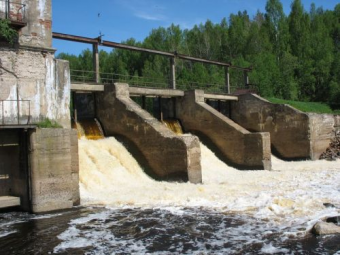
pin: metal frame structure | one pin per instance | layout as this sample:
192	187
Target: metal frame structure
172	56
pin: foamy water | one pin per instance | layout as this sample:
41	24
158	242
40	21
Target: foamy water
240	211
292	191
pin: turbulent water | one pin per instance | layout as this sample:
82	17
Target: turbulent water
232	212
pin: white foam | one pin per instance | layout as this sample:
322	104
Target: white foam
6	233
270	249
290	197
109	175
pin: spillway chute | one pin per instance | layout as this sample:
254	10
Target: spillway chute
174	125
89	128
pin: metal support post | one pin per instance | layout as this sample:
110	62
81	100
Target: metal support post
96	62
227	79
172	84
246	79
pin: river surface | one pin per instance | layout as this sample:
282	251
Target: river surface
124	211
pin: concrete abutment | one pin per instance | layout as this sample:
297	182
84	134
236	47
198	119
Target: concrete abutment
166	153
294	134
231	142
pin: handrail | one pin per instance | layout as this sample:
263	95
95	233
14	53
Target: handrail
88	77
13	11
18	111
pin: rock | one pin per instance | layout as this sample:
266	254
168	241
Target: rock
333	151
335	220
329	205
325	228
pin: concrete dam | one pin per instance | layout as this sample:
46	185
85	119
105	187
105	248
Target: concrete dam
39	166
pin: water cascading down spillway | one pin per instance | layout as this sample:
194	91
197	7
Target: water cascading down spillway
89	128
174	125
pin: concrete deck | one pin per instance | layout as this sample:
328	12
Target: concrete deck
220	97
87	87
7	201
137	91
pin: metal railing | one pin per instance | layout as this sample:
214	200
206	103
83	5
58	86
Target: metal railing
13	11
14	113
82	76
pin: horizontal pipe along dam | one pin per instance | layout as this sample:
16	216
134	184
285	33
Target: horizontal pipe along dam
150	122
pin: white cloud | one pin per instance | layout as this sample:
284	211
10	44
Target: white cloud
145	9
150	16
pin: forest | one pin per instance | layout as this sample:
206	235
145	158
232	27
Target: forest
294	57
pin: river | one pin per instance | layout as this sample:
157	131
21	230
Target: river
124	211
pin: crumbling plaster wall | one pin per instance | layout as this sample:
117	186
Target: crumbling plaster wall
39	78
38	31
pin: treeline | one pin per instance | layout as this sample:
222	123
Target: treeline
294	57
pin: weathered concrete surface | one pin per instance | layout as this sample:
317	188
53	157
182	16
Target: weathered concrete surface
54	171
38	32
236	145
86	87
321	128
337	124
38	78
294	134
8	201
155	92
165	152
30	72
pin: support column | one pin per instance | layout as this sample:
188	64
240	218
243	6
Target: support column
96	62
172	84
246	78
227	79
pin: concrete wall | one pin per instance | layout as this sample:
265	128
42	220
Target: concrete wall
166	153
38	78
30	72
54	169
233	143
337	124
38	32
322	131
294	134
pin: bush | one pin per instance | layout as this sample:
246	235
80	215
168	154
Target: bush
6	32
47	123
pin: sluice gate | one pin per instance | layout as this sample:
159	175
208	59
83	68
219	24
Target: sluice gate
89	128
14	174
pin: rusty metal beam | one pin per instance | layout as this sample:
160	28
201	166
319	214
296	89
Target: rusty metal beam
134	48
74	38
139	49
201	60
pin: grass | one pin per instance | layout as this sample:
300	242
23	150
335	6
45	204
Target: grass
47	123
306	106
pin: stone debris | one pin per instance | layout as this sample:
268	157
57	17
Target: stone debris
325	228
333	151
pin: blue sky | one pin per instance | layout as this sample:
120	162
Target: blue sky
120	20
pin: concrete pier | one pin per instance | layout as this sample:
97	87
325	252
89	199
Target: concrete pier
294	134
166	153
233	143
54	169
